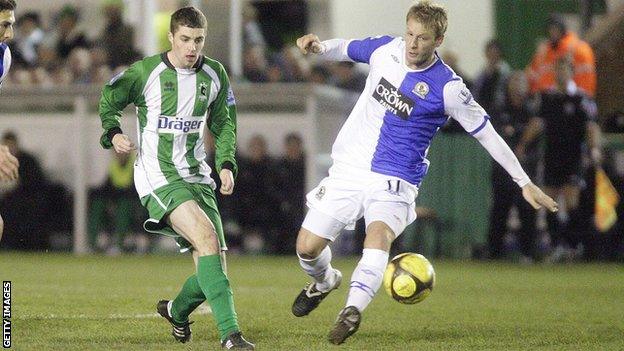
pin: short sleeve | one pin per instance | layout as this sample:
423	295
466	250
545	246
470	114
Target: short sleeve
362	50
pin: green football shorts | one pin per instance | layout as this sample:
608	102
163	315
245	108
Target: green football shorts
165	199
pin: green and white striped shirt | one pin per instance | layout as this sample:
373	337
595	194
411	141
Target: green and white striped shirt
174	106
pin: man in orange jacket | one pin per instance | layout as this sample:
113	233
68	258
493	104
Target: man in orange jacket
561	42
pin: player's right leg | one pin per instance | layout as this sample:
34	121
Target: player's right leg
388	210
315	259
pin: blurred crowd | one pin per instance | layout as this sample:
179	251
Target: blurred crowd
61	53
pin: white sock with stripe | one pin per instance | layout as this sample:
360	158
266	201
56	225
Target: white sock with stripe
320	269
367	278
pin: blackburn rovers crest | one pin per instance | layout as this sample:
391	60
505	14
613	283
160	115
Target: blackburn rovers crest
421	89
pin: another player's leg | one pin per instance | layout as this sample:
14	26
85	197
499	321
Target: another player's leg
365	281
555	226
190	221
315	259
1	227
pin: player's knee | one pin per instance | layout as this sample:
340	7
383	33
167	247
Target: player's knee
204	238
206	245
379	236
307	247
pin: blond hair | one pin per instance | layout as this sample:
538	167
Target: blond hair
432	16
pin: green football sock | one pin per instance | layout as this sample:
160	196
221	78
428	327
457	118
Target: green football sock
216	288
189	298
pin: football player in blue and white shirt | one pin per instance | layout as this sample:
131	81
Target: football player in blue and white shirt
379	156
8	162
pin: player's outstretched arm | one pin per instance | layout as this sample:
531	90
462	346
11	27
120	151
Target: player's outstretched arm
329	50
536	197
8	165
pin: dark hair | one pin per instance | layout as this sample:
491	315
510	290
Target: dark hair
9	136
556	21
293	137
187	17
29	16
7	5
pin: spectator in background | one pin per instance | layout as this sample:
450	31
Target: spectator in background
69	35
227	203
79	66
567	115
510	121
347	77
291	189
562	42
450	58
29	37
117	39
252	34
319	74
33	208
114	208
258	202
255	65
490	86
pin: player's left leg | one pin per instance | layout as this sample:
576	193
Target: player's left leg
387	215
365	281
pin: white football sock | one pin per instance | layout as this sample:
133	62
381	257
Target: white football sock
367	278
320	269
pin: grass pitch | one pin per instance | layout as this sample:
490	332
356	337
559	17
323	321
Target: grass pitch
62	302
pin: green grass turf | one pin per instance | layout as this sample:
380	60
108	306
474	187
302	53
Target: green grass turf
61	302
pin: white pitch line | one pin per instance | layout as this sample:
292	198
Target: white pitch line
201	310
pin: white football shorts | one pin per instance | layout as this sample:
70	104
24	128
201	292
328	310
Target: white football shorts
342	198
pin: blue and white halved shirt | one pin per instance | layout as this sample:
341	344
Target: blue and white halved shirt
400	110
5	61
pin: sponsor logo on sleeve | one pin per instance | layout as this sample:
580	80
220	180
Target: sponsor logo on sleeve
465	96
392	99
230	97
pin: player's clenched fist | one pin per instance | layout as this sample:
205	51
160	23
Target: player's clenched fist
310	43
227	182
122	144
8	165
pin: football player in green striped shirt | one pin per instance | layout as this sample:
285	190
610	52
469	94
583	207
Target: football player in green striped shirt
180	95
